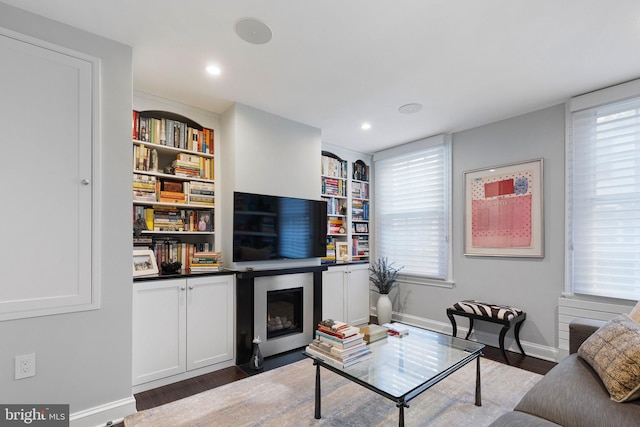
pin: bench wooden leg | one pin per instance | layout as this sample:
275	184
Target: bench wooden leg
503	332
453	324
516	332
470	328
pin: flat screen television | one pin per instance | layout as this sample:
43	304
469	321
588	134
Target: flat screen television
273	227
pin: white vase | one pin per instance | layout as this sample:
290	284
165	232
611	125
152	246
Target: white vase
383	309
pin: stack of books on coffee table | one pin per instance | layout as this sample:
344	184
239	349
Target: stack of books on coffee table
338	344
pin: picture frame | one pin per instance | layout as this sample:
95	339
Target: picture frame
503	211
342	252
144	263
204	221
361	227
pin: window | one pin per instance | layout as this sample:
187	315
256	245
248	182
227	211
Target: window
412	207
603	177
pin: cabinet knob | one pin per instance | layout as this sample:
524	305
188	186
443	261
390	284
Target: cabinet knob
85	182
182	288
191	287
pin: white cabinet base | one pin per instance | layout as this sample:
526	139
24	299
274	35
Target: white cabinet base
345	293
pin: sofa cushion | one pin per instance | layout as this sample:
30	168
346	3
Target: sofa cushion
613	351
572	395
520	419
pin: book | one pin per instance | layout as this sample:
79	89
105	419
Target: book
396	329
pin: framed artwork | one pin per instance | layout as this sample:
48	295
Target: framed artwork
204	221
144	263
504	211
342	252
361	227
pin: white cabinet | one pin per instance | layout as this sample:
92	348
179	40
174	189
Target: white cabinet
345	293
181	325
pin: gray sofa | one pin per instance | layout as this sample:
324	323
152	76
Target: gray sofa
572	394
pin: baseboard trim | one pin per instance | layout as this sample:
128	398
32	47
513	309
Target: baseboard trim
104	415
531	349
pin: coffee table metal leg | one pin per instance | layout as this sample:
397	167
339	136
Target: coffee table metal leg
317	414
401	405
478	391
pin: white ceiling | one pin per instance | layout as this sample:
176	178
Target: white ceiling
333	64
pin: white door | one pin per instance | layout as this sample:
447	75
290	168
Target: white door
358	294
333	298
209	320
159	338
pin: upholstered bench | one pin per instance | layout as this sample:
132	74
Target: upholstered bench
505	315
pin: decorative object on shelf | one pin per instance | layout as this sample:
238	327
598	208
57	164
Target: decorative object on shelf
171	267
383	276
154	160
503	211
144	263
257	361
342	252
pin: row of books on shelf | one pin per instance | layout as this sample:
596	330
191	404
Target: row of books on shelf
360	246
336	206
360	171
165	218
359	210
359	190
331	166
194	257
145	159
335	226
334	187
339	344
172	133
147	188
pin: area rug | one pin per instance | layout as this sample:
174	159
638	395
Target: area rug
285	397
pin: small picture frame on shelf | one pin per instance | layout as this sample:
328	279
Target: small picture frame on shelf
362	227
144	263
204	221
342	252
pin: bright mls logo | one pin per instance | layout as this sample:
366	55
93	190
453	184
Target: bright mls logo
34	415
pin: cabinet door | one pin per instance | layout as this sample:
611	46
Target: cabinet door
159	339
209	320
358	295
333	294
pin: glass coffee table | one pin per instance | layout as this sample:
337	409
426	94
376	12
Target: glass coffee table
402	368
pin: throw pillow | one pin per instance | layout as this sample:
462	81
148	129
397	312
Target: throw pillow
635	313
613	351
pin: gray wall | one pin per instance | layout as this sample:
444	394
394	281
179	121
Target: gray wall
265	154
84	358
528	283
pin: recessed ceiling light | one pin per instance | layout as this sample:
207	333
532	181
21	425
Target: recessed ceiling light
365	126
410	108
214	70
253	31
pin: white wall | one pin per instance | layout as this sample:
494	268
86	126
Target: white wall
84	358
533	285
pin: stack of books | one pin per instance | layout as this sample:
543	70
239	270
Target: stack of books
396	329
204	261
339	344
144	187
200	193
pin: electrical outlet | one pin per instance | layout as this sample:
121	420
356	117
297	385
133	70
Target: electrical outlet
25	366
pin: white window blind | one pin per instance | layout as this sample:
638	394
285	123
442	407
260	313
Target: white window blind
412	209
603	170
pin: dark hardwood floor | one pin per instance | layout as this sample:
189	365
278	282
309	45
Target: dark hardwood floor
169	393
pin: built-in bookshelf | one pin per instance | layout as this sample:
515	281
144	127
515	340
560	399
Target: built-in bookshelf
173	186
360	211
334	192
